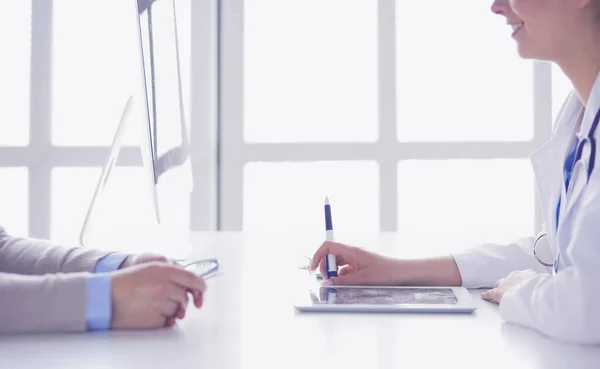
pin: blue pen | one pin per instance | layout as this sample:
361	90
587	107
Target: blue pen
330	261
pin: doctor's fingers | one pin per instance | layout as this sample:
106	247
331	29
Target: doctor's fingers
486	295
363	277
339	261
346	269
342	253
499	282
491	295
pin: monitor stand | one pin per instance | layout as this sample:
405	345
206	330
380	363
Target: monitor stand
177	247
148	236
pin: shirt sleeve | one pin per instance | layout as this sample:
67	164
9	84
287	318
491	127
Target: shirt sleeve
98	298
98	302
110	262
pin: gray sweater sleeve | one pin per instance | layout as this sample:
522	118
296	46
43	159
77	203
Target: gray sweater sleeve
30	256
36	304
43	286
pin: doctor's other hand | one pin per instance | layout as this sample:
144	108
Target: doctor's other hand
505	284
152	295
357	266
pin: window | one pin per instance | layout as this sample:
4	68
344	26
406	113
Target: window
15	20
96	67
363	102
92	71
15	200
449	82
291	198
468	200
308	111
309	81
51	159
125	208
93	75
72	189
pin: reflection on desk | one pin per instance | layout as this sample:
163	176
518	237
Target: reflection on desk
545	353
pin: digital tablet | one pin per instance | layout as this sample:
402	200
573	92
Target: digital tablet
386	299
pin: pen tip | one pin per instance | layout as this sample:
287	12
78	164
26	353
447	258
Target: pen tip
326	200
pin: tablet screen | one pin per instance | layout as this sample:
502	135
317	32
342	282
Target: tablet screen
384	296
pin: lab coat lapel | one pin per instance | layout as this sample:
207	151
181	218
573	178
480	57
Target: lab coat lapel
548	163
579	177
546	173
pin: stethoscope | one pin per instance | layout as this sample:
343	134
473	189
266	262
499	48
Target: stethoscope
535	243
589	140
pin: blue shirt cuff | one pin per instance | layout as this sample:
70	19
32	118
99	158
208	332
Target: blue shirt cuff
99	303
110	263
98	297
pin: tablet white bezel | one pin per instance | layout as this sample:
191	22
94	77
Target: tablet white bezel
465	303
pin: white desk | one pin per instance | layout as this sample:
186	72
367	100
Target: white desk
232	331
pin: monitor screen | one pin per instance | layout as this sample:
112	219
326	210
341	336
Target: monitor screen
164	113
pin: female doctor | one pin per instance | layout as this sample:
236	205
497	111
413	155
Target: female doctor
559	299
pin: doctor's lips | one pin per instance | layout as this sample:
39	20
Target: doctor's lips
516	27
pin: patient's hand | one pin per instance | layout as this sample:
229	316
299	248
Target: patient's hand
145	258
152	295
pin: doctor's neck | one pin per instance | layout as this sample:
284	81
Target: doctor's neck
581	64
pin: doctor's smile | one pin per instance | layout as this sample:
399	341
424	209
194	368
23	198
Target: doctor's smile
516	27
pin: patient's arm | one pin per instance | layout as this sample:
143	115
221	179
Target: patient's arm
20	255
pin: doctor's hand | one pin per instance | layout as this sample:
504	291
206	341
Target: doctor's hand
358	266
505	284
152	295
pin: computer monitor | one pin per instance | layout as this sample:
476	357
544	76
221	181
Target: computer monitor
156	107
164	109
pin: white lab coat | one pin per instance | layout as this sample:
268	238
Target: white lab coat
565	305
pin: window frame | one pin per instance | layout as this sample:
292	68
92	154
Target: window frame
40	156
219	152
387	151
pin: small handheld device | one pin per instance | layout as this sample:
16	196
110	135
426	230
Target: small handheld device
206	269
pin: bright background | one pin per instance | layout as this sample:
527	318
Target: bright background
405	127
